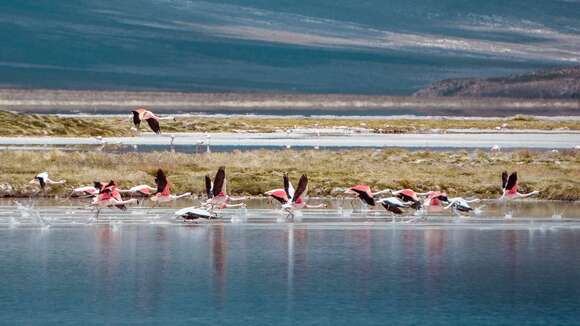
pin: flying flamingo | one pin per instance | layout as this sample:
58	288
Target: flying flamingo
140	114
460	205
87	191
394	205
141	190
409	196
43	180
434	200
163	193
194	213
290	199
509	187
216	191
109	196
364	193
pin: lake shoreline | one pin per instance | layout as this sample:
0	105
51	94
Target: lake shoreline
111	102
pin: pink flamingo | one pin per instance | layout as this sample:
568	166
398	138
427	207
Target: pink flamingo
87	191
409	196
509	187
216	191
141	190
434	201
364	193
140	114
163	194
290	199
109	196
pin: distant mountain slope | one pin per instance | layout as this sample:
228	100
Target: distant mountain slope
544	84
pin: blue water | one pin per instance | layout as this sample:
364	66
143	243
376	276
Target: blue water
285	275
345	46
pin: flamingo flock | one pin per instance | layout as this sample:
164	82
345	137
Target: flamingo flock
290	199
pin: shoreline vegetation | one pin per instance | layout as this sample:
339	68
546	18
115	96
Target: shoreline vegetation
20	124
462	173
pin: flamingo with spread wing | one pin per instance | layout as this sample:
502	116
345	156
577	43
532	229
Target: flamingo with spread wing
291	199
216	191
509	185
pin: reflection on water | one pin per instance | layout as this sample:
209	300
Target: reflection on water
288	274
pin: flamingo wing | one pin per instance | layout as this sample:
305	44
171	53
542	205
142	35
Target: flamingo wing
279	195
98	185
219	181
302	188
154	125
512	181
208	186
364	196
391	208
288	186
41	181
504	179
161	181
136	119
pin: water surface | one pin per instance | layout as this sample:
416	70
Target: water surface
288	274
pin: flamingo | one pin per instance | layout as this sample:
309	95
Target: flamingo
140	114
109	196
43	179
163	193
509	187
194	213
216	191
141	190
394	205
87	191
434	200
365	194
460	205
409	196
290	199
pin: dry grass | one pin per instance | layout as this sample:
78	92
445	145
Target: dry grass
50	125
556	175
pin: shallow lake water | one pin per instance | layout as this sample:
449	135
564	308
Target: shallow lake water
285	273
